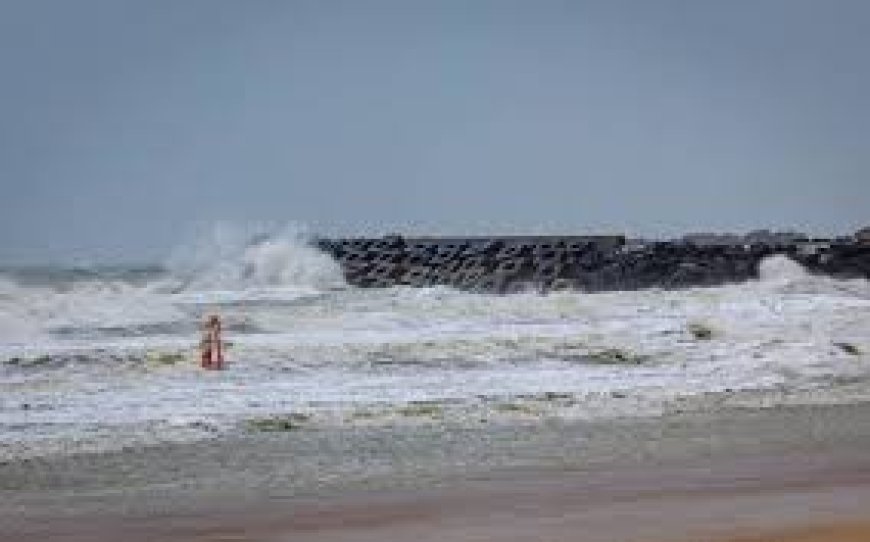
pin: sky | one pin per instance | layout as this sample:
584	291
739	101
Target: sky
125	124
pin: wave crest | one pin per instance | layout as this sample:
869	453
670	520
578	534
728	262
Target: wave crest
233	258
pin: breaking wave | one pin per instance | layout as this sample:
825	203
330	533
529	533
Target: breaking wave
231	258
222	264
116	349
785	276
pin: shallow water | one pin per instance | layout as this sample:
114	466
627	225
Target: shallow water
85	357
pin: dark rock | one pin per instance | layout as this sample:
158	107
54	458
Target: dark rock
507	264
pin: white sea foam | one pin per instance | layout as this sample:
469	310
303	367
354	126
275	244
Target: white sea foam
238	260
224	266
302	342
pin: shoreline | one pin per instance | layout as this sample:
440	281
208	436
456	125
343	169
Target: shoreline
842	532
709	502
766	467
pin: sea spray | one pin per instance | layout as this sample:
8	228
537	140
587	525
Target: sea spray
234	258
220	263
335	352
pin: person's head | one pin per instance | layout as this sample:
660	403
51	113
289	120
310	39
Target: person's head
213	320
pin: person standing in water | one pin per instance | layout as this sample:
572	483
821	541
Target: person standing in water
211	349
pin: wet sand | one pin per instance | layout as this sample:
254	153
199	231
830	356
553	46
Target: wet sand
797	474
847	532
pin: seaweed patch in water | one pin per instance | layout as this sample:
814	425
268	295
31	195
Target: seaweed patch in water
167	358
36	361
517	408
615	356
291	422
421	409
699	331
848	348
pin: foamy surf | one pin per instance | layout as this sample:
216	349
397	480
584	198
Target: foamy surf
100	362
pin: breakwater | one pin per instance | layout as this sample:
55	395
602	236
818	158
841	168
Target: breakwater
503	264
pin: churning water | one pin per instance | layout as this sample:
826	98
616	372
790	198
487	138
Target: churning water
99	358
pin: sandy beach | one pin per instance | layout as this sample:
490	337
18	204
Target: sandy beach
797	473
438	271
701	415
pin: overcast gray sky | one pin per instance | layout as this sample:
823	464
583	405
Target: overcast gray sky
125	123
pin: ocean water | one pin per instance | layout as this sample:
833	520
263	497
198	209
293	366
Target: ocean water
107	357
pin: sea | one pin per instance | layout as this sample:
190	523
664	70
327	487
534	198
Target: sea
103	357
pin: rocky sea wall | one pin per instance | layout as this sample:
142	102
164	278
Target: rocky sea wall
503	264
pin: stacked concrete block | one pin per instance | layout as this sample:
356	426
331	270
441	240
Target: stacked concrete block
416	275
507	264
493	284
